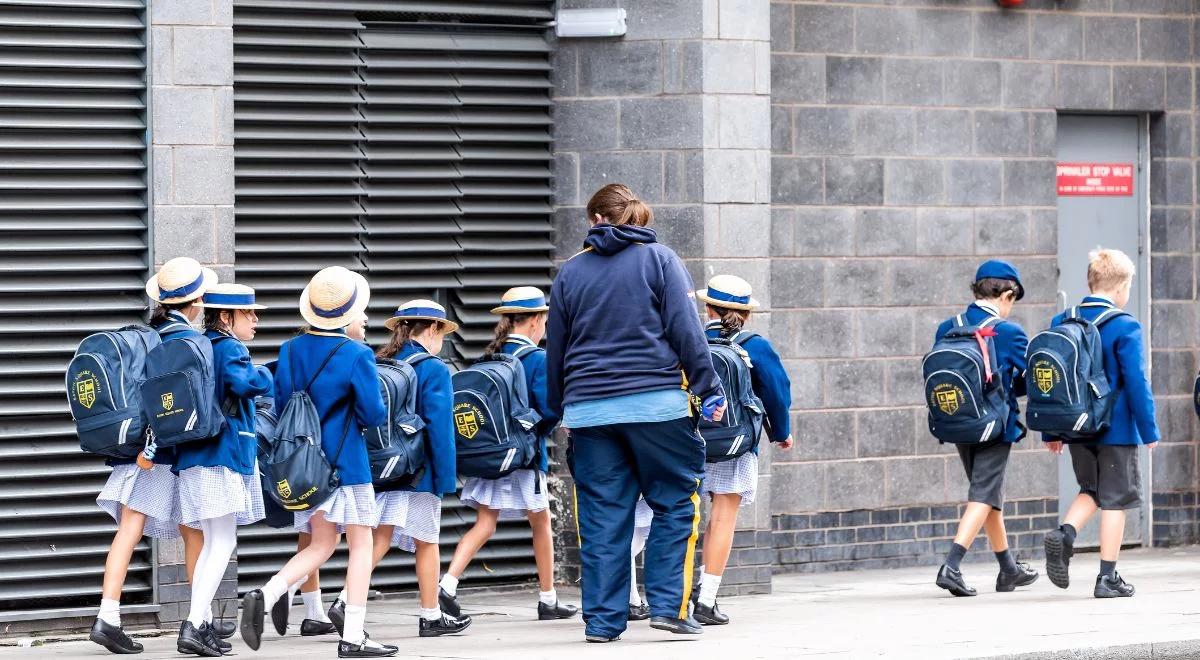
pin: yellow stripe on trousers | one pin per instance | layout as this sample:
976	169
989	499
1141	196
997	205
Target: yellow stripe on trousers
689	560
575	503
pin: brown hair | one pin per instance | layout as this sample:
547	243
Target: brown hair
404	331
732	320
617	204
158	315
214	322
990	288
504	328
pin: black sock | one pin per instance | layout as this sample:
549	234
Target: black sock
1070	532
955	556
1008	563
1107	568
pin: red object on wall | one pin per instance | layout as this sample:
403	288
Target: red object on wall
1010	3
1095	179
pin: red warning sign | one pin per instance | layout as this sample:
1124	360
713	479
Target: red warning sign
1095	179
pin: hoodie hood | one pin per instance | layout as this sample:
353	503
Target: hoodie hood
611	239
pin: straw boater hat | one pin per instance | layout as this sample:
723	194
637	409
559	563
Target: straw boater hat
729	292
522	300
230	296
334	297
180	280
420	310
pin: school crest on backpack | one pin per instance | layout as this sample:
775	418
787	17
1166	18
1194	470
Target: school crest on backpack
467	419
948	398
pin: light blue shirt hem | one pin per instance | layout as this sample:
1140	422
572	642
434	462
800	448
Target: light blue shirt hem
639	408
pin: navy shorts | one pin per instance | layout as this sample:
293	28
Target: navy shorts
1109	474
985	465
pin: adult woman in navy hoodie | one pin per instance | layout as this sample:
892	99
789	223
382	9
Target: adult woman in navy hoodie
624	346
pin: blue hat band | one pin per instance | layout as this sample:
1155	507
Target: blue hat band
727	297
339	310
421	311
229	298
184	290
530	303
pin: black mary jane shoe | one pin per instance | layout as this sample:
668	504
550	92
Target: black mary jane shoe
211	632
709	616
448	603
555	611
337	614
252	619
952	581
1023	577
365	650
1112	586
447	625
224	629
639	612
688	626
113	638
197	641
313	628
279	614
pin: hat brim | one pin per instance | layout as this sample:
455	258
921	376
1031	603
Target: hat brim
152	290
391	323
205	305
334	323
519	310
702	296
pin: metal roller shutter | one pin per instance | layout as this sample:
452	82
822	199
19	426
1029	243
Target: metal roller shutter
409	141
73	217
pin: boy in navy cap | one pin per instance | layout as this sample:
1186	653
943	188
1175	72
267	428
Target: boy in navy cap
1106	466
997	287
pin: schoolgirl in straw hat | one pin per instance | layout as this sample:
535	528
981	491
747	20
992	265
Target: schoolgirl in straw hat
340	377
411	518
521	494
219	485
142	496
732	484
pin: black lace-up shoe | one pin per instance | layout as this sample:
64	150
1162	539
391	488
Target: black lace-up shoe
1023	577
639	612
709	616
1112	586
1058	558
113	638
687	626
196	641
952	581
447	625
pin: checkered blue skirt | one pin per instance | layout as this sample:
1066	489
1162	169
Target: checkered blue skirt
213	492
151	492
514	495
643	515
416	516
737	476
349	505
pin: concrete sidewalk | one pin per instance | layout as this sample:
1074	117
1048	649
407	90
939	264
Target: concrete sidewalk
892	613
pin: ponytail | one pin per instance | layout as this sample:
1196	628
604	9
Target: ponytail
504	328
617	204
732	320
404	331
158	315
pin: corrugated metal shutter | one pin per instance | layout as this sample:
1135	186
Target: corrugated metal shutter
73	217
408	141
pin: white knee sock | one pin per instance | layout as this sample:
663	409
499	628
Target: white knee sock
110	612
273	589
220	538
313	606
548	597
431	614
450	584
356	616
709	585
342	596
635	598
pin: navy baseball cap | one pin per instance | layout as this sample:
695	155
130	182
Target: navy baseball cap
1000	270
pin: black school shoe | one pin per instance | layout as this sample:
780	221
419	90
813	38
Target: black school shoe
447	625
687	626
337	614
223	629
279	614
952	581
252	619
1058	558
709	616
448	603
1023	577
197	641
1112	586
639	612
207	629
348	650
313	628
555	611
113	638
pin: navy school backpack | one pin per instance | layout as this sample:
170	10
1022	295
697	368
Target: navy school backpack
1064	375
963	388
396	449
740	427
104	390
299	475
179	395
494	427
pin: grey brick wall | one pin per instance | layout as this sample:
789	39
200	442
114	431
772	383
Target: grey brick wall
911	142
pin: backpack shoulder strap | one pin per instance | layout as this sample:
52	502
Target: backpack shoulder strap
417	358
959	320
173	326
1108	315
989	321
744	336
323	363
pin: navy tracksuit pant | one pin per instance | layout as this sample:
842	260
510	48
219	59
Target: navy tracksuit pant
664	461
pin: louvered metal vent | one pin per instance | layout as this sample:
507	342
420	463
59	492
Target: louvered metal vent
73	218
415	151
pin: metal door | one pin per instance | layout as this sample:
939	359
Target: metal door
1112	220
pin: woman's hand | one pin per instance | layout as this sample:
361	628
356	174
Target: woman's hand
1055	446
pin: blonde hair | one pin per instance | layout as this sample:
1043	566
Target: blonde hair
1109	269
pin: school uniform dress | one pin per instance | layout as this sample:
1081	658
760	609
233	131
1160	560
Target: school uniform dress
521	491
1106	467
623	343
219	477
347	397
774	388
985	463
152	492
416	511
